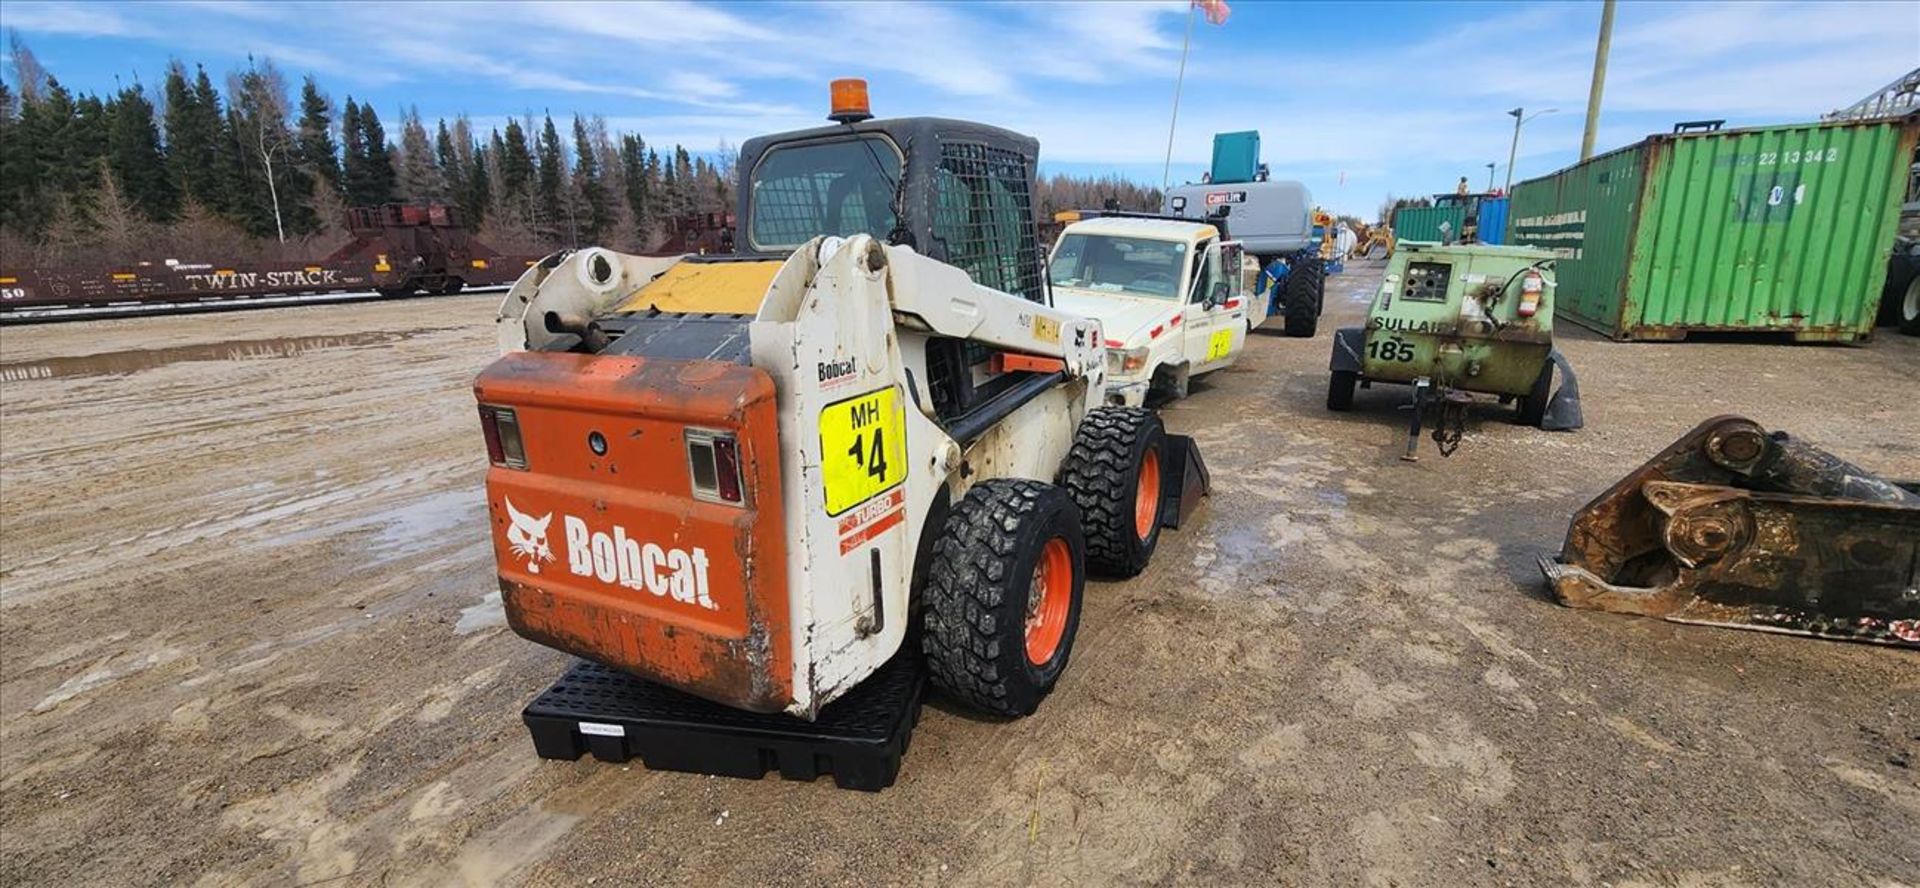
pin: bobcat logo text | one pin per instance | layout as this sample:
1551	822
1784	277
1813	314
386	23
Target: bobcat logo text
612	556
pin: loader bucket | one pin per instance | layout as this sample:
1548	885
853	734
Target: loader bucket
1733	526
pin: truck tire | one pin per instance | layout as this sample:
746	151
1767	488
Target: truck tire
1340	386
452	287
1169	383
1532	409
1113	475
1910	308
1002	598
1305	284
1901	270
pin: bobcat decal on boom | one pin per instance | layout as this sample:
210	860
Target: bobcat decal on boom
527	536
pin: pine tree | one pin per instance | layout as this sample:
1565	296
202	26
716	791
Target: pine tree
190	142
367	162
135	157
597	211
657	176
200	148
54	123
46	161
353	154
553	208
84	149
639	185
670	196
19	186
452	171
684	183
315	150
381	181
479	197
248	201
13	171
516	163
221	172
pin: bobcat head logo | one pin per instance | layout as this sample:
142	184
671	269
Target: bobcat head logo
527	536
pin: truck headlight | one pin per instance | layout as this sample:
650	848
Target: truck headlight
1124	361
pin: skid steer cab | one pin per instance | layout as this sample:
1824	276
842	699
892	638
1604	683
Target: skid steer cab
758	478
1452	321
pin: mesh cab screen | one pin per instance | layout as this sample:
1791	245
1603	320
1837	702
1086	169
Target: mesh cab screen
984	217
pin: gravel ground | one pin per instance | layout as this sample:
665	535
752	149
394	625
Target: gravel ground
249	633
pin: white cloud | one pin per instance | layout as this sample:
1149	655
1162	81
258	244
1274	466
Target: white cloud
82	19
673	24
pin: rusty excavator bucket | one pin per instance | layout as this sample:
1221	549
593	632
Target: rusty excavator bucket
1733	526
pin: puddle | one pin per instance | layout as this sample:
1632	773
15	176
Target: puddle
426	523
488	614
415	526
135	360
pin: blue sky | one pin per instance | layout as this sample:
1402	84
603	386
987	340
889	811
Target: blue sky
1357	100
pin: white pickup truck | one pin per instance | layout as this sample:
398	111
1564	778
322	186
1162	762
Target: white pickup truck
1171	295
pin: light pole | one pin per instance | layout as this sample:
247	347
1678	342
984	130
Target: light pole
1600	48
1490	167
1519	116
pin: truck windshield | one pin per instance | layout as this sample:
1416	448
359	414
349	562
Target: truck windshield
842	188
1131	265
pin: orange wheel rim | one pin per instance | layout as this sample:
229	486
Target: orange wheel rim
1048	601
1146	498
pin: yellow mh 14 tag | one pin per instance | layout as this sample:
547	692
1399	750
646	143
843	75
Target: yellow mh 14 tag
863	448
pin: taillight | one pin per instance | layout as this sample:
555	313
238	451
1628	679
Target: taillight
1532	286
713	462
502	429
726	454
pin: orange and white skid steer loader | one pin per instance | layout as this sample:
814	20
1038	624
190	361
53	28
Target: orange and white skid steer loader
750	477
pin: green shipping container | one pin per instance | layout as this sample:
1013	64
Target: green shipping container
1771	229
1423	223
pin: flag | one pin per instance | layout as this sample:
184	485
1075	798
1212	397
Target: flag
1216	11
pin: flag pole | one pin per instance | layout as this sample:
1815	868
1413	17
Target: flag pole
1167	167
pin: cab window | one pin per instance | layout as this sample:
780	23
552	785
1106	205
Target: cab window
840	188
1130	265
1207	274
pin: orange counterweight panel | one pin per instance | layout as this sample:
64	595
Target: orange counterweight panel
603	546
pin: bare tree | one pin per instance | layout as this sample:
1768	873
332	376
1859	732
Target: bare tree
260	97
28	75
118	227
420	176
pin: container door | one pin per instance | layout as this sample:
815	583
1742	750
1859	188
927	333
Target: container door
1493	221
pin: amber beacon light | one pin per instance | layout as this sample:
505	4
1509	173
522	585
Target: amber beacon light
850	101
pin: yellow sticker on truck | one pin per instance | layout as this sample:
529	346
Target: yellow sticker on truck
863	448
1219	344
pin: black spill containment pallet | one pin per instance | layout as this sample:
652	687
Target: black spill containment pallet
859	738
